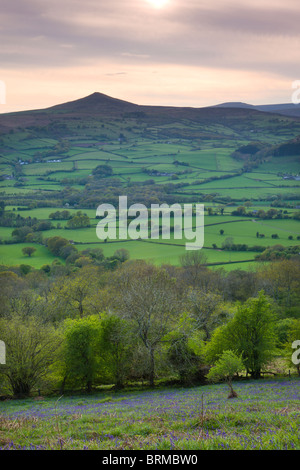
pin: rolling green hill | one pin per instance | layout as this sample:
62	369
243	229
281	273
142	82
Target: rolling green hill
223	157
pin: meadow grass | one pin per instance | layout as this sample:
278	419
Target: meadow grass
264	416
163	251
12	255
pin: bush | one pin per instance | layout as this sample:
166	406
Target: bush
225	368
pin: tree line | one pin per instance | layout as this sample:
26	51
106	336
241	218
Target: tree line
73	328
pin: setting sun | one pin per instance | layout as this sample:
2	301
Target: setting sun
158	3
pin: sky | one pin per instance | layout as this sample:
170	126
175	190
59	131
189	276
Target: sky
150	52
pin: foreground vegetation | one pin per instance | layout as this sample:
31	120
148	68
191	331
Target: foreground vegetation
265	416
65	329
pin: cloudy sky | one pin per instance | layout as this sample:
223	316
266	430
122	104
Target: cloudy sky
163	52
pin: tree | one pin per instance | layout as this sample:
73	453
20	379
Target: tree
225	368
147	297
281	281
28	250
75	295
204	307
81	349
102	171
228	243
193	263
31	348
20	234
121	254
183	359
240	285
240	211
2	208
251	332
117	347
55	244
78	221
60	215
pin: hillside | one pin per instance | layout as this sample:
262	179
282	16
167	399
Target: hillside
88	151
101	105
285	109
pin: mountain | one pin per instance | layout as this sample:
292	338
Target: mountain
234	104
286	109
96	103
100	106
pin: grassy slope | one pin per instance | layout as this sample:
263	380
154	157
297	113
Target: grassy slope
265	416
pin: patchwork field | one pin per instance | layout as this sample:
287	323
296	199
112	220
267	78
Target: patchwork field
176	155
218	230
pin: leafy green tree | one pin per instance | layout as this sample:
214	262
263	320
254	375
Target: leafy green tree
122	255
183	359
81	350
251	332
31	348
78	221
20	234
55	244
239	285
75	295
28	250
228	243
281	281
60	215
226	367
102	171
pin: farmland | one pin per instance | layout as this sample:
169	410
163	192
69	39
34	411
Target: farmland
48	160
165	251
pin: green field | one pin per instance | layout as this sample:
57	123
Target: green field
11	255
218	229
163	251
191	158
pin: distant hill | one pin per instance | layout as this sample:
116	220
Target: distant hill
100	105
97	103
234	104
287	109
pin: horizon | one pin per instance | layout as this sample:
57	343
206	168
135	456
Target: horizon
143	104
149	52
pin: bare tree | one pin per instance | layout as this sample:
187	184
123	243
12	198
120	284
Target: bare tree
193	263
205	309
149	298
